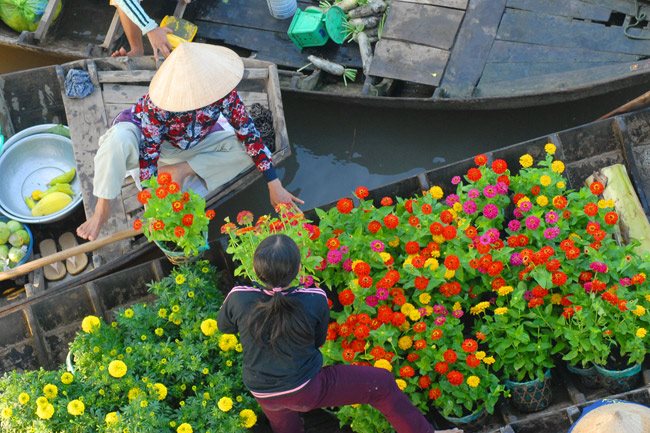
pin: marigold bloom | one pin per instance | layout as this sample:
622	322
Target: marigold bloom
641	332
557	166
67	378
209	327
90	324
187	428
117	368
45	411
247	418
50	391
23	398
76	407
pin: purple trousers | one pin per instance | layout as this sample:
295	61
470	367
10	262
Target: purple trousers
341	385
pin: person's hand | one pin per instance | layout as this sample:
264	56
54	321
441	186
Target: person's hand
159	43
278	195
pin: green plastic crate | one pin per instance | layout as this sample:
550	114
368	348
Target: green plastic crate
307	29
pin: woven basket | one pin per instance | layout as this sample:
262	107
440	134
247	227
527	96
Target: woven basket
179	257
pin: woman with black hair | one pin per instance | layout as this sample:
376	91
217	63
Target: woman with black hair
281	329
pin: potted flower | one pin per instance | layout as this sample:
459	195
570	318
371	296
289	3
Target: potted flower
175	220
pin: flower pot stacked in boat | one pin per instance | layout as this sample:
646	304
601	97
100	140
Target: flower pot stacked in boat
175	220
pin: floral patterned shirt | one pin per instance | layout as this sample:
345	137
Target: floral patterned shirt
186	129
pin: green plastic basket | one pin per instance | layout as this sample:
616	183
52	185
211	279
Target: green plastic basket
313	28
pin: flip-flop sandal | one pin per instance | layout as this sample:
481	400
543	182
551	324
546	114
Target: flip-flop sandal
74	264
54	271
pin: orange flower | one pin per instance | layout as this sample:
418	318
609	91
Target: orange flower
158	225
596	188
386	201
161	192
137	224
164	178
144	196
210	214
591	209
480	159
345	205
611	218
361	192
173	187
188	219
177	206
179	232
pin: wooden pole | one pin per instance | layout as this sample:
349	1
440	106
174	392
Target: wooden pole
62	255
634	104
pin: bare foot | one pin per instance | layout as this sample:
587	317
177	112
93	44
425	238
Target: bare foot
90	229
122	52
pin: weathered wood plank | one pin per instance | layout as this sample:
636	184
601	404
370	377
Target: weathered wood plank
46	20
282	149
515	52
494	72
277	47
422	24
566	8
141	76
251	98
624	6
251	14
115	93
475	38
112	110
5	116
409	62
456	4
529	27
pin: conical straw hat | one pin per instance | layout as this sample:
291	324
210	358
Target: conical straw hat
615	418
195	75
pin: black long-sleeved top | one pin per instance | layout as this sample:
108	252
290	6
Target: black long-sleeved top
268	373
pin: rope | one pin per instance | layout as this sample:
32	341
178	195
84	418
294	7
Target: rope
634	21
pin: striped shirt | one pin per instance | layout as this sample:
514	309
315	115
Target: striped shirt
134	11
267	373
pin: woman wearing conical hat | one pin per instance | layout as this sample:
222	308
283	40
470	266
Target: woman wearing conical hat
175	128
613	416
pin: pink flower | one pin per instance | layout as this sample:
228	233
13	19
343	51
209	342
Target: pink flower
514	225
372	301
588	286
598	267
517	213
382	293
473	193
455	180
493	234
334	256
625	281
551	217
469	207
515	259
485	239
347	265
457	313
452	199
440	320
344	249
532	222
439	309
307	281
489	191
502	188
551	232
528	295
525	206
377	246
490	211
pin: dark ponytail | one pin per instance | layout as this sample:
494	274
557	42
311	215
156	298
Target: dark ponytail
278	317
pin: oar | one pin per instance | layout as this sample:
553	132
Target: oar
634	104
62	255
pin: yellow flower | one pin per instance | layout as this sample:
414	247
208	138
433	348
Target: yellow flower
162	313
190	294
393	243
521	200
556	299
407	308
180	279
117	368
45	411
489	360
479	308
439	239
228	363
385	256
405	342
383	363
415	315
209	327
128	313
639	310
436	192
424	298
7	412
248	418
41	401
401	384
456	306
449	274
50	391
604	204
111	418
641	332
560	185
205	370
473	381
557	166
23	398
76	407
542	200
225	404
185	427
549	148
227	342
90	324
144	403
431	263
239	398
133	393
526	160
205	269
457	207
67	378
500	311
480	354
239	348
545	180
159	332
505	290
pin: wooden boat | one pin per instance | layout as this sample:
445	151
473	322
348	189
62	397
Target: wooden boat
434	54
34	329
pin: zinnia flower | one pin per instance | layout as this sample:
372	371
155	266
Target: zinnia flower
532	222
641	332
490	211
526	160
383	363
473	381
334	256
455	180
514	225
469	207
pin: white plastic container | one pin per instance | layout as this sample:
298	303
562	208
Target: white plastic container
282	9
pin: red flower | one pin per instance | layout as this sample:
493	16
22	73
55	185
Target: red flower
535	190
474	174
450	356
412	247
361	192
210	214
161	192
361	268
158	225
591	209
480	336
559	278
424	382
420	344
472	361
186	197
449	232
378	352
177	206
426	208
173	187
441	367
345	205
446	217
611	218
374	226
596	188
361	331
346	297
348	355
480	159
559	202
386	201
414	221
179	232
144	196
436	228
471	232
455	377
568	312
499	166
452	262
188	219
365	281
137	224
535	302
539	292
406	371
435	393
419	327
164	178
572	253
391	221
408	205
398	319
436	334
469	345
421	283
412	357
245	217
332	243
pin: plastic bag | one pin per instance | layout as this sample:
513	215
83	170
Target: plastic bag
24	14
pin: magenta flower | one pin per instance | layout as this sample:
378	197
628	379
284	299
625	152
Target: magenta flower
372	301
551	217
307	281
455	180
517	213
452	199
347	265
485	239
440	320
493	234
598	267
439	309
334	256
514	225
344	249
469	207
473	193
490	211
457	313
532	222
525	206
551	232
502	188
515	259
382	293
489	191
377	246
588	286
625	281
528	295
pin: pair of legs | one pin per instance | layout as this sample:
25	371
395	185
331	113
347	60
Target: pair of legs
342	385
133	35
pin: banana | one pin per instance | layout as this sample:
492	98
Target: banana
51	203
64	178
60	187
30	202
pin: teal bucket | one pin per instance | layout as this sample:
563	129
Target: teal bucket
617	381
313	27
